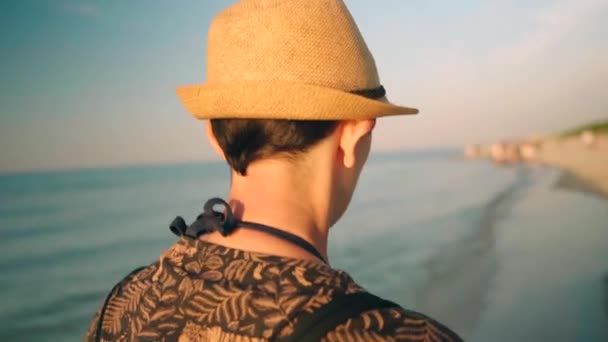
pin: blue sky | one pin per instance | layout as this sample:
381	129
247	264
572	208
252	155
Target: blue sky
92	83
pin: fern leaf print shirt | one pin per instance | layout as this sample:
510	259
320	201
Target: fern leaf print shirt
199	291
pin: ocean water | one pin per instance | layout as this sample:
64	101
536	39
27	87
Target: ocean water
426	229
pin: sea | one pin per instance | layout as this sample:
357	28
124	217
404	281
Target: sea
497	253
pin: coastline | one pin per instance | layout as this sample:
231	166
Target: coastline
461	274
551	253
585	168
468	277
571	181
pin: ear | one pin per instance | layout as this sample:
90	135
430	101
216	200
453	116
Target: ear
213	140
352	132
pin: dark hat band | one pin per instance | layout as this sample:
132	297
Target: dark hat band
374	93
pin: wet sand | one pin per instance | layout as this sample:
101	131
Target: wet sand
537	258
462	272
550	279
589	164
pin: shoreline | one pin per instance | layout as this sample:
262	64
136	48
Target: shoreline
461	274
583	168
551	251
464	274
571	181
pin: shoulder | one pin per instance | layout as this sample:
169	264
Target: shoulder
391	324
109	320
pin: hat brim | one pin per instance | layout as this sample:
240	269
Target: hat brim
282	101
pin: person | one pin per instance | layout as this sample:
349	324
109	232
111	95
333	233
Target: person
292	96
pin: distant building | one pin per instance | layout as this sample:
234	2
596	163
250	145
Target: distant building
497	152
528	151
505	152
588	138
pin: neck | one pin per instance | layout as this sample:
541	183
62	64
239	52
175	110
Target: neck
276	195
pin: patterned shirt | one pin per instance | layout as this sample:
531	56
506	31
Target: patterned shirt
199	291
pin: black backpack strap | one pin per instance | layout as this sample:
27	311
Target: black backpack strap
102	311
311	327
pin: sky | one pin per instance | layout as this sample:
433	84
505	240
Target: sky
92	83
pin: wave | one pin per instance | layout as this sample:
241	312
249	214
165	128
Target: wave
461	271
53	318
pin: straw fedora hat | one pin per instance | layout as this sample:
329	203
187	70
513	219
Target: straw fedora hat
288	59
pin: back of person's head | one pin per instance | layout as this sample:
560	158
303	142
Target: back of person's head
292	91
244	141
317	160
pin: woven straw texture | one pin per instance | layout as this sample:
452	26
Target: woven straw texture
287	59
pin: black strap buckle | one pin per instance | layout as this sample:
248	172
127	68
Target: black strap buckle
209	221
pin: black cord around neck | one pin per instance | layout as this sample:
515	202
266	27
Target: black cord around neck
281	234
224	223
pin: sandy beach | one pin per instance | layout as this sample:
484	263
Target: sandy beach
590	164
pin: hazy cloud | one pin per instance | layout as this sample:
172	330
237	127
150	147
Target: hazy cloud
552	25
541	80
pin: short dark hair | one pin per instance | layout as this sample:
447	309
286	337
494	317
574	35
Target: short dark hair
244	141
